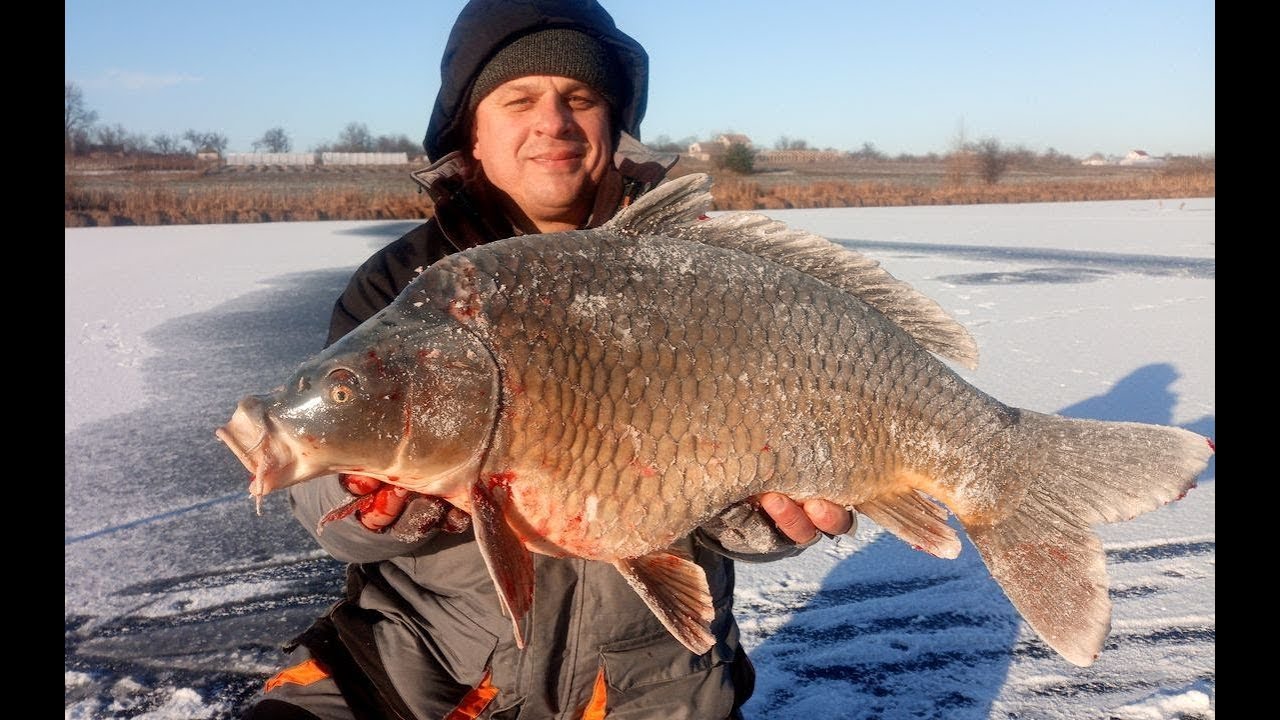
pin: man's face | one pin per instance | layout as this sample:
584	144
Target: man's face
546	142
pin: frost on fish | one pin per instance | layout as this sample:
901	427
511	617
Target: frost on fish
600	393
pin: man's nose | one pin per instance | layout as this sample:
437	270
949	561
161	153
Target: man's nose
554	116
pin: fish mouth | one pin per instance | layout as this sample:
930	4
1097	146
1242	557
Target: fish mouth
251	436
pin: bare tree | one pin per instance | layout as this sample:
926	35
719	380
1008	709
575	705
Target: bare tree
355	137
396	143
79	119
275	140
166	144
201	140
786	143
869	152
111	137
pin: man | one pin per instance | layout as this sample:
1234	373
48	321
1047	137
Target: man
534	130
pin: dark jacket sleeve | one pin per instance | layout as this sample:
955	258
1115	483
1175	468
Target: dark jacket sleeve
381	278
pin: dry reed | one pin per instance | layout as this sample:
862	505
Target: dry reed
143	200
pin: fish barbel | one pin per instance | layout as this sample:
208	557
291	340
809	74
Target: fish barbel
600	393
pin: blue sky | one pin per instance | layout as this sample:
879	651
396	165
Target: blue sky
908	77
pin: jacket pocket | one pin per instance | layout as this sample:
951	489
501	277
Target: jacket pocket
657	658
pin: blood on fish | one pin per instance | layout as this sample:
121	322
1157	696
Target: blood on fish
646	470
501	480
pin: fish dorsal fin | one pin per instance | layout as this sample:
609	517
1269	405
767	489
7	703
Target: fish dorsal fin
673	209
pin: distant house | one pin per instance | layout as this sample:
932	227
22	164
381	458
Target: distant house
1140	157
707	151
208	153
716	148
1095	159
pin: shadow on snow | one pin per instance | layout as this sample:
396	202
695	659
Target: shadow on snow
172	580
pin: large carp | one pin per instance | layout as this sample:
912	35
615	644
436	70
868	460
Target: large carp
600	393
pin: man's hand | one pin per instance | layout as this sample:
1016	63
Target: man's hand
409	515
802	523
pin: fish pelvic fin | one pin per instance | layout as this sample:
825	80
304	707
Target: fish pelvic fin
677	208
675	589
915	519
508	560
1044	554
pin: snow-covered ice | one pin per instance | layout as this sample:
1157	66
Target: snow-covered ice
178	595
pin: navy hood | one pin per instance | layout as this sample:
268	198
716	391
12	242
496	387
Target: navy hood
486	26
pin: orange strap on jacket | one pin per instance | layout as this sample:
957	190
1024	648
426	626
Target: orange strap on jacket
595	709
304	673
475	701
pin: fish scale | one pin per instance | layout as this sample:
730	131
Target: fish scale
601	393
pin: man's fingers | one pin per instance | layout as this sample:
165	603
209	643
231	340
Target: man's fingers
789	517
387	504
829	517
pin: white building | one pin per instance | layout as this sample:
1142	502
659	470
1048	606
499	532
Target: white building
1140	157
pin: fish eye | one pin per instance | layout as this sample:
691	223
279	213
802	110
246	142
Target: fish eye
342	387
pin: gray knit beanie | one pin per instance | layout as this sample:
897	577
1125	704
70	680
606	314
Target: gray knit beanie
558	51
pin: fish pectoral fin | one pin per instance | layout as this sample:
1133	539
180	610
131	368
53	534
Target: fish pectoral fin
917	520
675	589
509	562
342	510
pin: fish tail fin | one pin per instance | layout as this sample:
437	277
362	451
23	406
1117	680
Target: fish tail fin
1044	554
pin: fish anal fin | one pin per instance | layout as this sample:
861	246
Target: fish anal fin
675	589
509	562
916	519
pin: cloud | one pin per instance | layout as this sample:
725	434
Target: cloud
116	79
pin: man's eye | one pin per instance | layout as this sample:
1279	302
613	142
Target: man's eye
579	102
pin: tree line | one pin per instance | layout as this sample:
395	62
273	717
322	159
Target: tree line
84	134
